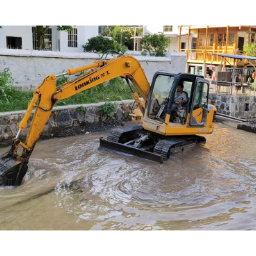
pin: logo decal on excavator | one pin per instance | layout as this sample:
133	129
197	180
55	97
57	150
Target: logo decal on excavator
91	80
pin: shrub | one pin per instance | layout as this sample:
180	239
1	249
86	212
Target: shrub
122	36
81	109
6	84
62	79
155	44
250	49
99	44
108	108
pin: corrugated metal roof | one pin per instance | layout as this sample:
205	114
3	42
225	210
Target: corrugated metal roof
235	56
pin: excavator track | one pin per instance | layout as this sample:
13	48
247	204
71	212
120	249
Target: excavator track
170	146
118	138
123	134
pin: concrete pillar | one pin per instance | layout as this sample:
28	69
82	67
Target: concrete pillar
187	68
204	70
2	38
196	70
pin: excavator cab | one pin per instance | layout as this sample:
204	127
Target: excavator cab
161	105
162	99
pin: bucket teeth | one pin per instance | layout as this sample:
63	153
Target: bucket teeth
12	170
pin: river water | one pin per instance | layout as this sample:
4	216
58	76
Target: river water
72	185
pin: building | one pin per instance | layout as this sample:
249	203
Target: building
171	31
200	41
25	37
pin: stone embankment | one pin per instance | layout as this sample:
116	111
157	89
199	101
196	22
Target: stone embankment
67	121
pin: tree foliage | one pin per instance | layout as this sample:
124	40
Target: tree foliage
41	31
105	30
122	36
102	44
155	44
98	44
250	49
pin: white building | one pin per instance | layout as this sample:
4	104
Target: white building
24	37
171	31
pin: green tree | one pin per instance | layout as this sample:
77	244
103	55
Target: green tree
250	49
102	44
155	44
105	30
99	44
41	30
122	36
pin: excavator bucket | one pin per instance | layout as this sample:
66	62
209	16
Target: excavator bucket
12	170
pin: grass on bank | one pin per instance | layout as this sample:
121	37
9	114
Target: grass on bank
12	99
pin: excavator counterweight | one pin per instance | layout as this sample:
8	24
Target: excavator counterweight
173	112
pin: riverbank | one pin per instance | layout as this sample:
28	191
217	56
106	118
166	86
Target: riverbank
68	121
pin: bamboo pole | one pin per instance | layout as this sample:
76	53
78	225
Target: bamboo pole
250	35
188	40
180	37
227	40
205	45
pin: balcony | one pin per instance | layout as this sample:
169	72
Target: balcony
205	56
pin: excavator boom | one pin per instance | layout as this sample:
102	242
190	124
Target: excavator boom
12	166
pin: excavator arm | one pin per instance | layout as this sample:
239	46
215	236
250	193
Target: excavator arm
12	166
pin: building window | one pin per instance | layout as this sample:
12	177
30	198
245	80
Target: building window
72	38
167	28
221	39
13	42
231	39
201	40
252	38
193	46
183	46
34	38
47	39
210	39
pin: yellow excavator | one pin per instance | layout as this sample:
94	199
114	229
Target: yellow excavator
159	130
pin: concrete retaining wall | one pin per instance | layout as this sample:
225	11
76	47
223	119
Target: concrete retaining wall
66	121
80	119
29	68
236	106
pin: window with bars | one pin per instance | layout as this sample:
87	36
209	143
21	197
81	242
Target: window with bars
222	39
167	28
231	39
47	39
252	38
210	40
72	38
193	43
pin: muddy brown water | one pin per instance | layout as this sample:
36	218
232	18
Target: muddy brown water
72	185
